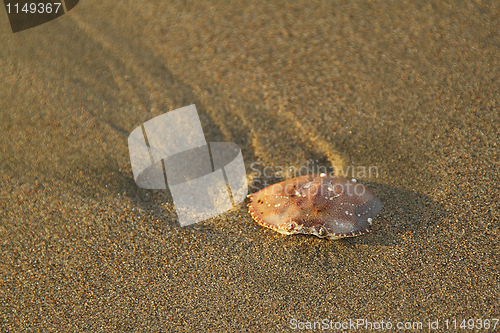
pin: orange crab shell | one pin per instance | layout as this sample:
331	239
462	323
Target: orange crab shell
327	207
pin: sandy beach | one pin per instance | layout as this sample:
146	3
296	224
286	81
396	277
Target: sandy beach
411	90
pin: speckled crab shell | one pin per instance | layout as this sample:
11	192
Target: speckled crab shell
327	207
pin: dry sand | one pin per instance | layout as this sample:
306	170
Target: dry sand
412	89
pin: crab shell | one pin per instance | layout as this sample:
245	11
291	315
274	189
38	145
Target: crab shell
327	207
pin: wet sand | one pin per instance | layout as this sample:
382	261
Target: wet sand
410	89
